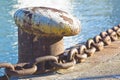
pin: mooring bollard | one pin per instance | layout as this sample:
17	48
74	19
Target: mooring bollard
41	31
40	41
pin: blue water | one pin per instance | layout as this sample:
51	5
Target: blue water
8	32
95	15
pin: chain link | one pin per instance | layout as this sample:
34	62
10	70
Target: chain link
90	44
106	38
44	59
97	39
113	36
22	69
118	32
82	49
64	65
115	28
82	55
72	54
99	43
7	65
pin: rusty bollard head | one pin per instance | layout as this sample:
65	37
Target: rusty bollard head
48	24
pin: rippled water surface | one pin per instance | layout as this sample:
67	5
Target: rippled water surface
95	16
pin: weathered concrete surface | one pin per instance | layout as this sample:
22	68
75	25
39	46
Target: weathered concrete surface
104	65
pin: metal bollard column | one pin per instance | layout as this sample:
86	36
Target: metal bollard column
41	31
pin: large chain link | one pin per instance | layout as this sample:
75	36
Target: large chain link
7	65
98	43
69	58
22	69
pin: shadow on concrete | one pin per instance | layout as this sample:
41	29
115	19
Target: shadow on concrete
100	77
34	76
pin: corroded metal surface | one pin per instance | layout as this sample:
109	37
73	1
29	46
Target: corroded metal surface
43	21
29	49
41	31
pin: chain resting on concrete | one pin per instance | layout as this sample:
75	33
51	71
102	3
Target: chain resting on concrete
70	58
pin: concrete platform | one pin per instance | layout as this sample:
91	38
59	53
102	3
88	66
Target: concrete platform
103	65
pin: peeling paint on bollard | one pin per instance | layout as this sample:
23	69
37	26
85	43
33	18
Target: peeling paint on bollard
41	31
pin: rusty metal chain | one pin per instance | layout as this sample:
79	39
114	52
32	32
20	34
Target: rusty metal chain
95	44
22	69
69	58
